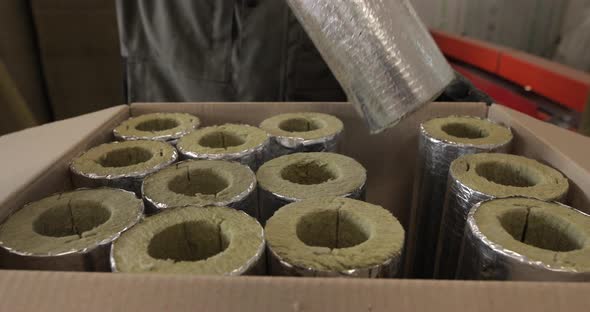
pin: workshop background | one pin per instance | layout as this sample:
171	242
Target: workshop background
61	58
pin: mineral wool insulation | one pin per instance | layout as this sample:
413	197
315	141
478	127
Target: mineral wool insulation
69	231
192	240
474	178
525	239
334	237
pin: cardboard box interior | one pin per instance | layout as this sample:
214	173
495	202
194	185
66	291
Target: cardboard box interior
34	170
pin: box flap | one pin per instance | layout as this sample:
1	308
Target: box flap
564	149
23	162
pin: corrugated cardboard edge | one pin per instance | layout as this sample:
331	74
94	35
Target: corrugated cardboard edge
51	291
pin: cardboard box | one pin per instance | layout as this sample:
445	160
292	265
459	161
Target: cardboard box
34	164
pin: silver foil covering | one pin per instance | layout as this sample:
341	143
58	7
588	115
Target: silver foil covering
130	182
253	157
459	200
482	259
254	266
246	201
280	145
434	160
171	139
94	258
380	52
280	267
269	202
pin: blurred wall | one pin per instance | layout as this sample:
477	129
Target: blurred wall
79	47
539	27
574	46
21	67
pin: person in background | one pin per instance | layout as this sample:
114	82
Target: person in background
227	50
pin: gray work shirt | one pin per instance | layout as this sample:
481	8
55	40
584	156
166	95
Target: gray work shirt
220	50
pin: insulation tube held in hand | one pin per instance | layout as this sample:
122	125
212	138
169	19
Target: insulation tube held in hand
524	239
302	133
193	240
68	231
380	52
479	177
302	176
334	237
167	127
121	164
441	141
242	143
202	183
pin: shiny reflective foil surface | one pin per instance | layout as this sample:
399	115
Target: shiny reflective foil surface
131	181
380	52
459	200
253	157
93	258
435	158
246	201
482	259
281	146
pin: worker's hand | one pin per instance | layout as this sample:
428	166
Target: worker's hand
462	90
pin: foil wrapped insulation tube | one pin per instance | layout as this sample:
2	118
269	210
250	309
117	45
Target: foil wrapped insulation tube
202	183
300	176
121	165
305	132
193	240
166	127
329	237
287	145
270	202
380	52
241	143
522	239
70	231
442	140
479	177
94	260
